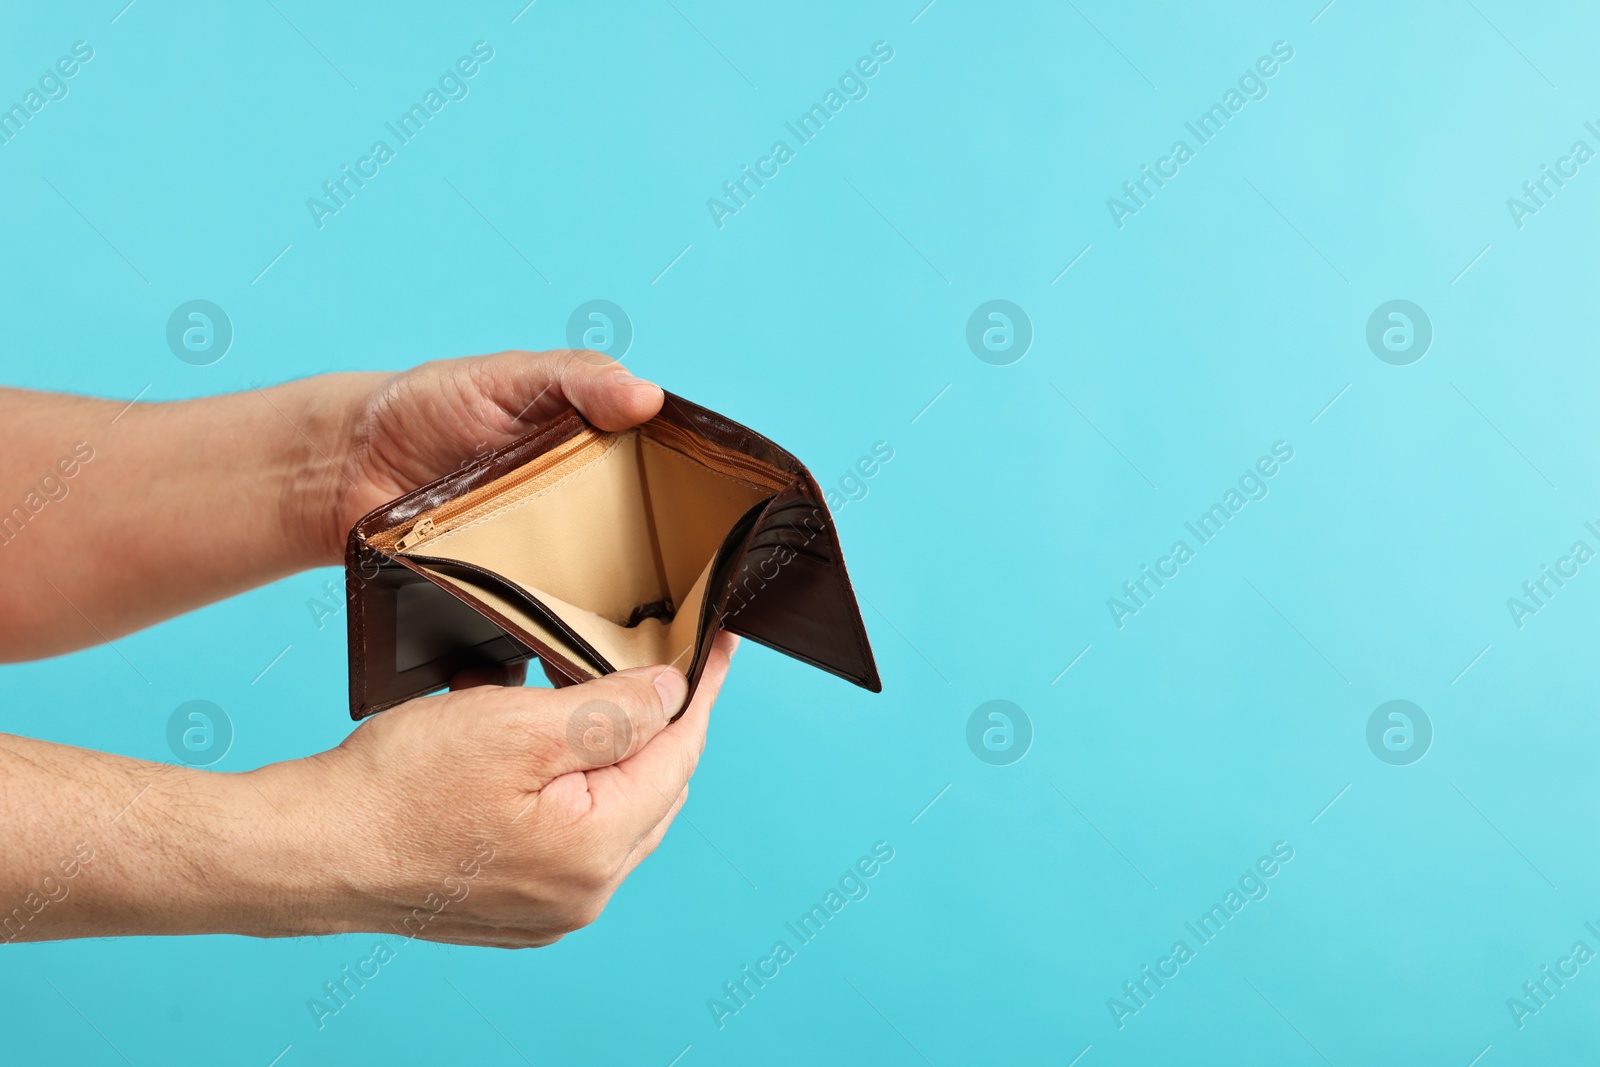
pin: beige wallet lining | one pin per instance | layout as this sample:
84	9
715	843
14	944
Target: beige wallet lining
620	520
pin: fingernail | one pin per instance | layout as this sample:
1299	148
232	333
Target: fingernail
629	379
673	687
733	643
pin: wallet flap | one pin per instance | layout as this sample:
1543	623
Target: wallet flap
791	593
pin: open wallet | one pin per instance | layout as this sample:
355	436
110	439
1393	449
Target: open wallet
596	552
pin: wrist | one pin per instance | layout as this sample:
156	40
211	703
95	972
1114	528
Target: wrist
318	464
288	855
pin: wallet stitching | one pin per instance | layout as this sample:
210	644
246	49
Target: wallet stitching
585	470
850	610
702	466
843	592
358	633
538	441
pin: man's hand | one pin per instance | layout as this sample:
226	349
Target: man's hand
488	816
191	501
397	432
507	817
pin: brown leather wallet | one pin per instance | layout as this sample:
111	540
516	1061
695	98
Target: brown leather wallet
597	552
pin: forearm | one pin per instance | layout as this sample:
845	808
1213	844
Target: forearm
98	845
114	517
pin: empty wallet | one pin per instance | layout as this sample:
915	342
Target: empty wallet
596	552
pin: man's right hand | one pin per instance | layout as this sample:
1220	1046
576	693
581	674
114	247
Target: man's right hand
507	816
488	816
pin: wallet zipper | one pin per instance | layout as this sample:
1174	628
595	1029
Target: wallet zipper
419	533
732	464
429	526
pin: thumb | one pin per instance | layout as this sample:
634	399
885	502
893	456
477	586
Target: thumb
531	387
600	722
608	395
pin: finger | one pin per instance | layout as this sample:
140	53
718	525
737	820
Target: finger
642	788
607	395
599	722
526	389
506	674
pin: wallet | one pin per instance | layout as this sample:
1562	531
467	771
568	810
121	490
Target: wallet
596	552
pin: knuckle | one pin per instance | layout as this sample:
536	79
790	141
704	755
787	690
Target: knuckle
573	363
586	913
581	913
600	731
636	696
542	745
591	360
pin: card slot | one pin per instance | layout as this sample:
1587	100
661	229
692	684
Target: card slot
472	574
787	537
794	525
601	644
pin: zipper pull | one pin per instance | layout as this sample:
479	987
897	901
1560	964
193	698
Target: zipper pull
419	533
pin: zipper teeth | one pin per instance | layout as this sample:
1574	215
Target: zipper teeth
730	463
454	509
733	464
545	463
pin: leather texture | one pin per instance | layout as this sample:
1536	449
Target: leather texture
597	552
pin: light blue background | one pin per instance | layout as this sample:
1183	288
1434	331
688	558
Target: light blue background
1224	317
